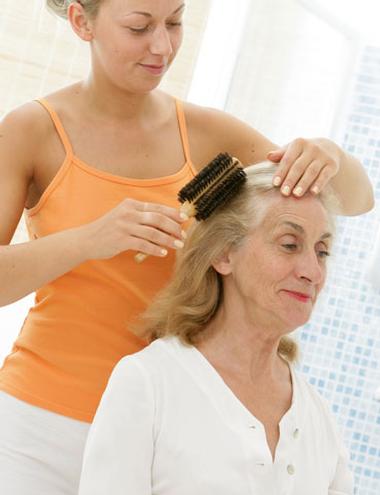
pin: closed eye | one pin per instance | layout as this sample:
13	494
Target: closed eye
290	247
323	254
145	29
139	30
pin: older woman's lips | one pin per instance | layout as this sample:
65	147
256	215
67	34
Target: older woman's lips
156	70
299	296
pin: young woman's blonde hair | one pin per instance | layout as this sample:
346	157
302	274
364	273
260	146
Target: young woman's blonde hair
195	292
60	7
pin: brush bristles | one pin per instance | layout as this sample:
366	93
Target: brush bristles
213	186
207	176
220	194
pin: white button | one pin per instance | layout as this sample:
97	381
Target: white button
296	433
253	427
291	469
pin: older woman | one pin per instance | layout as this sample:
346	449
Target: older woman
214	406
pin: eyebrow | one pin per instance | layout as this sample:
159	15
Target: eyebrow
147	14
301	230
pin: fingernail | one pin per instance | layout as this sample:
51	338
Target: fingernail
298	191
184	216
315	189
286	190
184	235
277	181
164	252
178	244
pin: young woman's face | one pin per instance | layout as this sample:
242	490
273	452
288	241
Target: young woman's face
135	41
280	268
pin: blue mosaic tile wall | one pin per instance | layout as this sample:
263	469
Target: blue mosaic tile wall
341	344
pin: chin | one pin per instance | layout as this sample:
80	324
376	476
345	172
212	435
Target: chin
147	87
295	321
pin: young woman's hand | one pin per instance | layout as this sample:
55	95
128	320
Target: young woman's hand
305	165
133	225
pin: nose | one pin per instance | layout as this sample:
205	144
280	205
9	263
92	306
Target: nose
161	43
311	268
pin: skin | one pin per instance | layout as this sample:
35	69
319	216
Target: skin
265	301
119	122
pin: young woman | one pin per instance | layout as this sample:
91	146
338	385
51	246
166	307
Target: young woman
97	166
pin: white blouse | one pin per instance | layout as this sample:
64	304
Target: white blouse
169	425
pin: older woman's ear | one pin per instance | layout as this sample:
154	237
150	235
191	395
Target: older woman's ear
222	264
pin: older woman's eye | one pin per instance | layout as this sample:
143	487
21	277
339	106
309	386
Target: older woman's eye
322	250
290	247
322	253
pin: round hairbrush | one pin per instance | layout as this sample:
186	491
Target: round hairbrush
217	183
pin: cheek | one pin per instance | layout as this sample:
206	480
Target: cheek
176	41
323	279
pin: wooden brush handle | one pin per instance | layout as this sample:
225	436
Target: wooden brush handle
140	257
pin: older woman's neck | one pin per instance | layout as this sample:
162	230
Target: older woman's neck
241	345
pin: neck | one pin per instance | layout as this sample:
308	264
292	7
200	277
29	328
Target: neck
243	345
116	103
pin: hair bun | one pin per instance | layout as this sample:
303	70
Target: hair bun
59	7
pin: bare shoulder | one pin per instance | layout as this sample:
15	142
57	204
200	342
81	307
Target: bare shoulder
30	115
66	99
21	132
29	129
212	131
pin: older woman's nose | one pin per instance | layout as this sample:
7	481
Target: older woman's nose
311	268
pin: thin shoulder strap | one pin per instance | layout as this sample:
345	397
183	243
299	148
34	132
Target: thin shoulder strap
183	130
58	125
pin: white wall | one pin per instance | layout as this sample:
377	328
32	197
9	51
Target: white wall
11	320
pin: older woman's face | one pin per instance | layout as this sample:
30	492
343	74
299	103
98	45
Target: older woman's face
281	267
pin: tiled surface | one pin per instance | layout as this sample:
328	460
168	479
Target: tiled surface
341	345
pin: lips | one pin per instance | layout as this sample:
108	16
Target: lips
299	296
153	68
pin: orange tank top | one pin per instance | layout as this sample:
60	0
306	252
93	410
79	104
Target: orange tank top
78	328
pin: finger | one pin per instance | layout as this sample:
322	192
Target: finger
158	237
167	211
295	173
323	178
146	248
276	155
291	154
162	223
308	178
297	170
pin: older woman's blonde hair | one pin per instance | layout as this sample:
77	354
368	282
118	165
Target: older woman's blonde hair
195	292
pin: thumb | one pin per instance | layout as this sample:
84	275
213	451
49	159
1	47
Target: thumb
276	155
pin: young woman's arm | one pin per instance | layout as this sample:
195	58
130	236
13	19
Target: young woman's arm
303	163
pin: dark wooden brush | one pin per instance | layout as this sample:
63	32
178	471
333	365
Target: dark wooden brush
212	187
